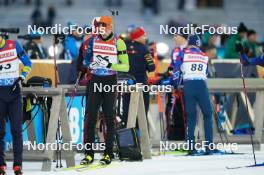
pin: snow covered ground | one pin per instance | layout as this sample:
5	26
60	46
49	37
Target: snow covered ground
168	165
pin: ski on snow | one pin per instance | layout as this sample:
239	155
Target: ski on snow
97	166
247	166
81	168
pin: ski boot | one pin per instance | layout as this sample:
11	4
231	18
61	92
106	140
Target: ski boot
214	152
195	152
106	159
17	170
2	170
89	158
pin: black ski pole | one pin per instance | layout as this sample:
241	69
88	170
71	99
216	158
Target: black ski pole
60	142
57	151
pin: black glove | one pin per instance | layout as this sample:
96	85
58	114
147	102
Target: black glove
169	71
17	84
239	48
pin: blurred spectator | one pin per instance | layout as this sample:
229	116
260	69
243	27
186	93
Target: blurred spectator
127	35
181	4
174	23
213	41
150	5
36	17
211	52
7	2
28	2
35	49
129	30
51	14
210	3
187	4
230	51
141	62
116	3
251	46
38	3
70	45
190	5
69	3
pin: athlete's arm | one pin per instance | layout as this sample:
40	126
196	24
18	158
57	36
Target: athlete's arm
2	43
83	62
123	65
23	57
175	78
172	61
207	71
179	61
253	61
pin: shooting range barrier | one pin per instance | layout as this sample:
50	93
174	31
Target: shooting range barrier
256	115
58	110
137	111
230	86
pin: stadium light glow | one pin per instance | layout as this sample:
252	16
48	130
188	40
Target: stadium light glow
162	49
51	51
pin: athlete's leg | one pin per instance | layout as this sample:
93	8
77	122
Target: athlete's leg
3	115
206	107
15	111
109	110
94	100
190	105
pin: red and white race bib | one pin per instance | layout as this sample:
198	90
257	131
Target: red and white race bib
9	64
105	51
194	66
